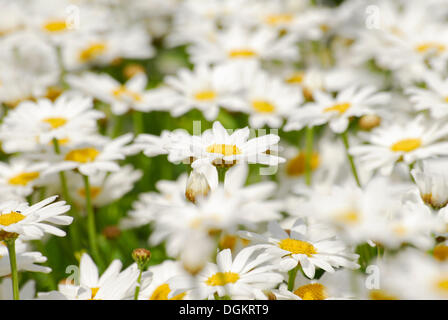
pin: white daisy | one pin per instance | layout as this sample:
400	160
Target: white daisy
26	261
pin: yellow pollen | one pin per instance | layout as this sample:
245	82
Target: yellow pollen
297	247
7	219
94	192
162	292
55	122
263	106
296	78
222	278
83	155
23	178
123	91
224	149
312	291
340	107
205	95
406	145
274	19
441	252
427	46
296	166
242	53
349	217
92	51
55	26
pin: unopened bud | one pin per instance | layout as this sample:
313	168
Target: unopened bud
196	253
197	186
111	232
141	257
132	69
368	122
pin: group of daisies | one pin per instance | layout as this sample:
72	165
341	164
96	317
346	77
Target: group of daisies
336	187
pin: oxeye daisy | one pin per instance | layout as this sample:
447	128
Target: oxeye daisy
34	125
205	88
244	277
433	98
26	260
32	222
432	181
122	97
414	140
20	176
113	284
94	157
220	148
296	248
351	102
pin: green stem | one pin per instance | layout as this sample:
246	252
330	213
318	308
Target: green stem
137	289
222	174
138	122
11	244
350	158
308	154
292	277
91	229
62	177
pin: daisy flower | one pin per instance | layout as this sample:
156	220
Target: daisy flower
296	247
94	157
433	98
414	140
240	44
121	97
26	261
205	88
432	181
32	222
33	125
244	277
267	100
351	102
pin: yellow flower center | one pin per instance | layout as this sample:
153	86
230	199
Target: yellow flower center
441	252
242	53
406	145
122	91
55	122
24	178
297	246
340	107
442	284
7	219
94	292
92	51
83	155
274	19
446	99
55	26
162	291
94	192
296	78
263	106
312	291
348	217
296	166
224	149
205	95
430	46
222	278
381	295
228	242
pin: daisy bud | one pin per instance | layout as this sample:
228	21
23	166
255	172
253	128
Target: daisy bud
141	257
197	186
196	253
369	121
5	236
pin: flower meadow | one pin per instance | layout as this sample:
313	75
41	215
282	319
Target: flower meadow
223	149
